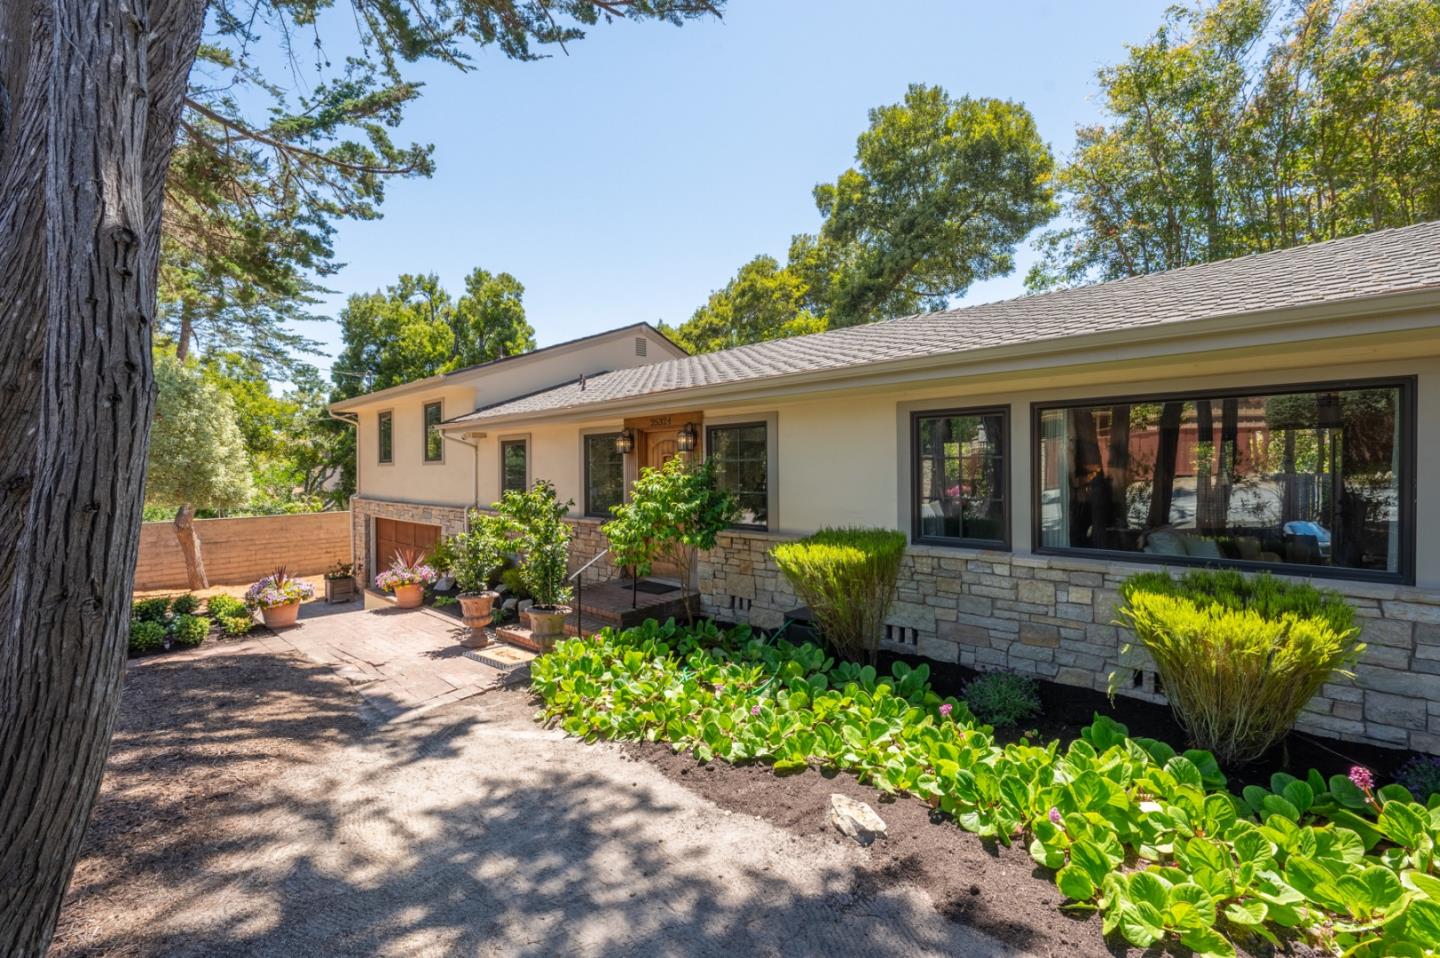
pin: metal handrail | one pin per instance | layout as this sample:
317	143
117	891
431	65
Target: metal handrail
575	577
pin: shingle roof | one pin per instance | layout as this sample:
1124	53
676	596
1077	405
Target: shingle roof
1387	262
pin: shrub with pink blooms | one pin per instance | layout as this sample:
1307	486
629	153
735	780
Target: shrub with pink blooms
277	589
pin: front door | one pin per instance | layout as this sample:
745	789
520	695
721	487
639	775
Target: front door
657	442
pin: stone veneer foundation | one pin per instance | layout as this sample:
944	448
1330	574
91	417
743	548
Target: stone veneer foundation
1051	616
450	519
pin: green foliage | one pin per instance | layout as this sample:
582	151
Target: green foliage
224	606
1147	836
514	582
146	635
1239	658
942	191
1252	125
474	556
1420	776
151	610
184	604
1003	699
536	517
235	625
189	630
847	578
196	455
672	512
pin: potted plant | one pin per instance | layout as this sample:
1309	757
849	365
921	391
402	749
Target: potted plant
278	597
538	519
474	557
406	578
340	582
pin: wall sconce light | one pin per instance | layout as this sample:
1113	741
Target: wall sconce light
625	443
685	442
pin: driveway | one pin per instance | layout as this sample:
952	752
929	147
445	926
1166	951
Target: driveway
254	805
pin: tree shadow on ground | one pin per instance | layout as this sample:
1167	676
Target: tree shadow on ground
249	810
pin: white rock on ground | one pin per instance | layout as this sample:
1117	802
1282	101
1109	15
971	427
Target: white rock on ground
855	819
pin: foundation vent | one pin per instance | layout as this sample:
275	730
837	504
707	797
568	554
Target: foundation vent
738	603
902	634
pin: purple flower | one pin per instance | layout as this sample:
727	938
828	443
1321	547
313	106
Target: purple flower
1055	816
718	687
755	709
1362	778
946	709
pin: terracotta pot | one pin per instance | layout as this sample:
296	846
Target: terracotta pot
475	609
547	622
281	616
409	596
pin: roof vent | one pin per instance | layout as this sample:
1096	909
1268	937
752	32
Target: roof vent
640	345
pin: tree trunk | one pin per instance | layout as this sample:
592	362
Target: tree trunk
190	548
92	92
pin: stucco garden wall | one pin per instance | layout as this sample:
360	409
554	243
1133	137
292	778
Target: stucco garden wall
244	549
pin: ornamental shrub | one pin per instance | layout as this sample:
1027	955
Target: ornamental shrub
224	606
1003	699
1420	776
537	517
847	578
185	604
151	610
475	555
189	630
237	624
1239	658
145	636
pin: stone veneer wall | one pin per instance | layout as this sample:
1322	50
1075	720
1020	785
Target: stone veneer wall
1051	617
450	519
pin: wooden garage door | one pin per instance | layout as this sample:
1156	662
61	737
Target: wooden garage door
392	535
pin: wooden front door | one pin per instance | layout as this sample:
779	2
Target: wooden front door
392	536
657	440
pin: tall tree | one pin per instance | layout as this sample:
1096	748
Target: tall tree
1247	126
489	319
93	92
197	454
942	192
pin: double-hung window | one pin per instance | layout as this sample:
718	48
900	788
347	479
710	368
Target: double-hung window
514	470
604	474
1313	477
741	456
960	477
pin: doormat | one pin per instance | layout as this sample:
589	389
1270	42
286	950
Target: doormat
502	657
650	587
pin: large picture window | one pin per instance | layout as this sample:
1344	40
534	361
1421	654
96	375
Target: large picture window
604	475
1307	477
742	465
434	442
386	437
960	475
514	472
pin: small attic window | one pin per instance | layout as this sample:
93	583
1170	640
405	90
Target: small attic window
640	345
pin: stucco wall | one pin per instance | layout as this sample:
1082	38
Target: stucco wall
244	549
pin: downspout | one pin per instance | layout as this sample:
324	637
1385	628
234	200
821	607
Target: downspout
476	447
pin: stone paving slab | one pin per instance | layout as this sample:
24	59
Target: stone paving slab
403	663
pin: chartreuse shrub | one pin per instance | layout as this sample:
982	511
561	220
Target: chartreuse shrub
237	624
189	630
224	606
1239	657
1147	836
847	578
146	636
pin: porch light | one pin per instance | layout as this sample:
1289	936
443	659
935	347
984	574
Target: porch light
685	442
625	443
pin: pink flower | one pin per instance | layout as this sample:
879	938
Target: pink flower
755	709
718	687
946	709
1055	816
1362	778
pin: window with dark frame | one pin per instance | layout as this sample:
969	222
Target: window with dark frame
742	465
958	464
434	442
1316	477
386	432
514	472
604	475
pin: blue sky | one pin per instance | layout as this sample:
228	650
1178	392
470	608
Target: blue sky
627	180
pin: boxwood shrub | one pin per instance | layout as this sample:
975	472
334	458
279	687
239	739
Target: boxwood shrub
237	624
189	630
224	606
146	636
151	610
1148	836
185	604
1239	657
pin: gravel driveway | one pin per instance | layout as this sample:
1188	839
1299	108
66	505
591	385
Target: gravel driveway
251	808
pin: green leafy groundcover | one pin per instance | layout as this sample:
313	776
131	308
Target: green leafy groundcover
1148	836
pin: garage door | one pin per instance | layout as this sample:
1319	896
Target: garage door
392	536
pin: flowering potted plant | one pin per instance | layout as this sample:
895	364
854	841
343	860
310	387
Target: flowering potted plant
543	538
473	557
407	578
340	582
278	597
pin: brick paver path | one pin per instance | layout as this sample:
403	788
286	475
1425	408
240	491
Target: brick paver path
402	662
